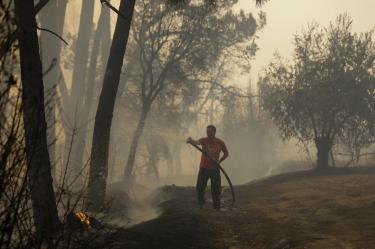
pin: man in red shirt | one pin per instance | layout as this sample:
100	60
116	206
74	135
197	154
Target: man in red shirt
209	169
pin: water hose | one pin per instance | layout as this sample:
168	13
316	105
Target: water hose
221	169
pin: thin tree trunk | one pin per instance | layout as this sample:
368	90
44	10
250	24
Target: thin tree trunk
106	36
211	111
112	162
82	52
153	161
170	167
39	174
332	158
103	119
177	158
76	99
91	83
323	146
167	156
105	44
52	17
4	97
134	145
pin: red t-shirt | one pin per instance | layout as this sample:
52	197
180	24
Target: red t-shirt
213	147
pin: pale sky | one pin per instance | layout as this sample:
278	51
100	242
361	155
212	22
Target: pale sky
287	17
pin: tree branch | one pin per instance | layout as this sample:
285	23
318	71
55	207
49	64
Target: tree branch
350	154
105	2
53	33
39	6
261	2
227	89
51	66
313	122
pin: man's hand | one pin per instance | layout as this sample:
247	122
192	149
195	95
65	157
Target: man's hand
189	140
223	157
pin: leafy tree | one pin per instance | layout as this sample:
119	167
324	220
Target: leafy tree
328	90
103	118
173	41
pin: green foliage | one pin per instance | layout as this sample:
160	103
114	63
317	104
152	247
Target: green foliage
329	89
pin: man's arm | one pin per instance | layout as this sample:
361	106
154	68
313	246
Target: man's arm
189	140
225	155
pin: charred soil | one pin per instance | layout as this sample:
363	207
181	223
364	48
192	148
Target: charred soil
296	210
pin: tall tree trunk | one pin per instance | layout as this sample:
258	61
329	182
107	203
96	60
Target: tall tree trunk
103	119
39	174
82	52
52	17
112	160
105	44
211	111
152	161
323	146
177	158
89	93
134	145
167	156
332	157
4	97
170	172
77	94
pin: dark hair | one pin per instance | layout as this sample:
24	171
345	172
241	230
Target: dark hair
213	127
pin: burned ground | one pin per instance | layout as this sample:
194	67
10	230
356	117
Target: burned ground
296	210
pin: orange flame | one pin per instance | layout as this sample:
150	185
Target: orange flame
85	219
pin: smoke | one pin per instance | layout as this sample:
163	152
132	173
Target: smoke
184	110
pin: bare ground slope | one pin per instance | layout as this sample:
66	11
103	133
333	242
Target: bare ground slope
296	210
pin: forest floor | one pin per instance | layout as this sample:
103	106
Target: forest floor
295	210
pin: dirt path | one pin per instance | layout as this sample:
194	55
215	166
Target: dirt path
293	211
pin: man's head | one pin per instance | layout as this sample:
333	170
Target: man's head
211	131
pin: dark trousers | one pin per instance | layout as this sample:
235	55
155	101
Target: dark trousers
214	176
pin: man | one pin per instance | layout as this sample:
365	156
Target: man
209	169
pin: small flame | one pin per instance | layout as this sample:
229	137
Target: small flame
85	219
